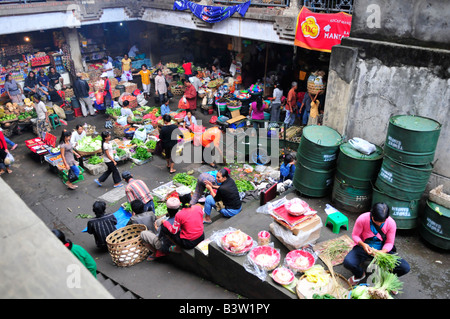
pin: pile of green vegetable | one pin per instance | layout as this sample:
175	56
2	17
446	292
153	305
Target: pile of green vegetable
160	209
25	115
94	160
151	144
137	142
184	179
8	117
113	111
120	152
325	296
384	283
88	144
141	153
244	185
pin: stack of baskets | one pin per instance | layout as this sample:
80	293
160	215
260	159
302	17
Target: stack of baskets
126	246
176	89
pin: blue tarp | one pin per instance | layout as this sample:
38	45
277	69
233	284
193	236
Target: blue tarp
211	14
122	217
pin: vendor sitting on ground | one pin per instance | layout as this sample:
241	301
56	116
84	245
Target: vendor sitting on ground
165	109
187	229
155	241
189	119
200	188
137	189
373	231
140	216
287	169
102	225
226	199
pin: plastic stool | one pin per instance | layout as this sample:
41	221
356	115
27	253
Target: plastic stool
337	220
54	119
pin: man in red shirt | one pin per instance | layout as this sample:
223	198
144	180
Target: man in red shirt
190	94
187	66
291	105
187	229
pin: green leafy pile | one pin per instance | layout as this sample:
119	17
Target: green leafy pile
137	142
120	152
151	144
244	185
88	144
160	209
94	160
141	154
113	111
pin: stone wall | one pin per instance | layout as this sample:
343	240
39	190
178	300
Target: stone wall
371	80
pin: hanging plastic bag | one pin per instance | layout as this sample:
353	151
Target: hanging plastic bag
183	104
362	146
9	159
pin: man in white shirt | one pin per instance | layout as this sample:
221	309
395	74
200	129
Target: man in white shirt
133	51
108	67
77	135
195	81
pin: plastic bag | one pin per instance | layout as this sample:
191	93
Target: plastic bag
99	97
270	206
9	159
141	134
362	146
122	120
217	236
290	258
260	271
288	238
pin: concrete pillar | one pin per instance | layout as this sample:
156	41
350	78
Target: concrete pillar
71	35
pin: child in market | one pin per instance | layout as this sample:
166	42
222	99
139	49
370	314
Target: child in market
287	169
145	74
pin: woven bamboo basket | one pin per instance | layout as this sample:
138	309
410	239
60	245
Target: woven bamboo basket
315	88
119	130
177	91
126	246
99	151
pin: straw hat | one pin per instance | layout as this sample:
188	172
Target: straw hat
27	102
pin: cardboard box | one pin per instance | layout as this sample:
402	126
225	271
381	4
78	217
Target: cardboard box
303	226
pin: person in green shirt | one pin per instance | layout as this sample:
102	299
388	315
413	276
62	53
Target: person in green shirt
79	252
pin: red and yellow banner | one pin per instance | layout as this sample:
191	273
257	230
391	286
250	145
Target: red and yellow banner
321	31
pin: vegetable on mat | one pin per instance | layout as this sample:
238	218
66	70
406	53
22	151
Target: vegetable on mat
141	154
94	160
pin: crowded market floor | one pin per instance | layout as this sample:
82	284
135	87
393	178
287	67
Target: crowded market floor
59	207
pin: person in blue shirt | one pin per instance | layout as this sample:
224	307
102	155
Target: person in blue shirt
43	83
165	109
287	169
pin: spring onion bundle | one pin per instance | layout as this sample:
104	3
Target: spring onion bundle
386	261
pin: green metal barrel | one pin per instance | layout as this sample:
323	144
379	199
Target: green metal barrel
404	212
434	225
319	147
401	180
313	182
357	169
412	139
352	199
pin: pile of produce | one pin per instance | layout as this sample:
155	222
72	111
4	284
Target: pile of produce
185	179
113	111
244	185
172	65
141	153
385	283
137	142
94	160
151	144
8	117
160	209
88	144
120	152
27	115
215	83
